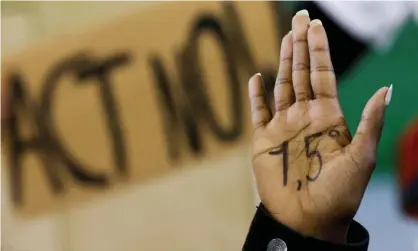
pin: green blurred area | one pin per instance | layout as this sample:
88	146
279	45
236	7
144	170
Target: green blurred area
398	66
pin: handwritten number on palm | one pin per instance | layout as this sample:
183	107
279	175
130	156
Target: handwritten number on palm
305	161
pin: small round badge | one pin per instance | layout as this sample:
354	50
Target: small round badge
277	245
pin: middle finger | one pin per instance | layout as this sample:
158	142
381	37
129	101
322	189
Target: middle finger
301	66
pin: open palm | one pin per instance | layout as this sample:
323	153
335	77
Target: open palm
311	175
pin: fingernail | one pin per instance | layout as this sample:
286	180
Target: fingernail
302	13
261	77
315	22
290	33
388	95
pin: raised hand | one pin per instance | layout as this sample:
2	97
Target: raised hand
311	174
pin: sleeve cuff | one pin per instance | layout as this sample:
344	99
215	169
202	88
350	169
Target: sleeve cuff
264	229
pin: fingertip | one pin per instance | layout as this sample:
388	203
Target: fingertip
317	33
256	76
302	13
255	85
369	129
377	102
315	22
301	18
287	39
255	80
388	95
286	49
380	96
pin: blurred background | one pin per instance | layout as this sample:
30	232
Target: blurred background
208	202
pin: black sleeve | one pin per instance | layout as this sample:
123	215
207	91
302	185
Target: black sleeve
345	49
266	234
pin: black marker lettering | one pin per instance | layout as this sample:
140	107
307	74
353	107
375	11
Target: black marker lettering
21	106
101	71
174	118
197	92
190	105
54	145
237	41
284	149
299	185
184	108
313	153
53	154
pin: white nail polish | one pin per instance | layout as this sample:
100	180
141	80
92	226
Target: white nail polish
315	22
290	33
302	13
258	74
388	95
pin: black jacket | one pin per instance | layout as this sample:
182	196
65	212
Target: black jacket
266	234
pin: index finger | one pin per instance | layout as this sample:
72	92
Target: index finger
323	81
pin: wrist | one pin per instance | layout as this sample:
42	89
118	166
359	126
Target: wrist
265	228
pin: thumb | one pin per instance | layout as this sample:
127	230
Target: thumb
365	141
